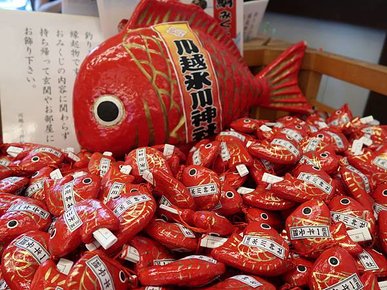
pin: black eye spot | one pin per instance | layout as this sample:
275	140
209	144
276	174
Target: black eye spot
52	233
122	276
316	168
164	217
265	226
87	180
133	190
12	224
264	216
35	174
229	194
324	155
107	111
208	146
247	120
301	269
384	192
306	210
345	201
338	112
192	172
320	136
333	261
298	127
35	159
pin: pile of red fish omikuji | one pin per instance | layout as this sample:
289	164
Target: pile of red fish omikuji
284	205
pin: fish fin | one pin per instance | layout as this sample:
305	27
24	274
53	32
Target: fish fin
151	12
280	82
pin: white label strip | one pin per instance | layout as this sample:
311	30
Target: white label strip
284	143
68	197
212	242
378	208
362	176
36	249
316	181
306	232
130	254
382	285
165	201
359	235
72	219
115	190
3	285
162	262
380	162
104	166
366	141
34	187
186	232
5	162
245	190
270	178
248	280
357	147
101	272
203	190
47	150
168	150
126	169
129	202
201	257
233	134
37	210
56	174
14	151
264	244
224	152
350	283
265	128
349	220
142	163
242	170
339	142
366	120
292	134
196	160
64	266
312	144
367	261
306	160
73	157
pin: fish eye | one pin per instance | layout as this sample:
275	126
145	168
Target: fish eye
333	261
324	155
229	194
12	224
316	168
264	216
35	174
301	268
288	118
35	159
164	217
192	172
321	136
265	226
133	190
384	192
298	127
209	145
338	112
246	120
306	210
345	201
52	233
87	180
108	110
122	276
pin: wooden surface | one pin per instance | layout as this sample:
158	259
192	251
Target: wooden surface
315	64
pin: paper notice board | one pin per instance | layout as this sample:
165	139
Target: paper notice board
40	55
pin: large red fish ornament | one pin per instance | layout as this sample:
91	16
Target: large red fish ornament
173	75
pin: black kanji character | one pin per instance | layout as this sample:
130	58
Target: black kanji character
207	115
195	62
197	80
186	45
201	98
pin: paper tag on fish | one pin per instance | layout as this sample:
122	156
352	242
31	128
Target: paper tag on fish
209	241
245	190
186	232
126	169
72	156
56	174
3	285
248	280
201	257
130	254
93	245
359	235
383	285
162	262
270	178
357	146
148	176
165	201
367	261
352	282
105	237
64	266
242	170
169	209
14	151
168	150
265	128
264	244
79	174
367	120
322	125
366	141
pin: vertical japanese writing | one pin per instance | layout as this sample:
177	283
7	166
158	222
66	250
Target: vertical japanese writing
30	58
47	85
75	49
225	12
62	85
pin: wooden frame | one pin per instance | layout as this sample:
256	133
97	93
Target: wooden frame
258	53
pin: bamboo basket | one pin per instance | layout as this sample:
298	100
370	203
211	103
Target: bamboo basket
258	53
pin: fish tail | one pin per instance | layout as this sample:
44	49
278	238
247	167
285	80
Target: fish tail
280	82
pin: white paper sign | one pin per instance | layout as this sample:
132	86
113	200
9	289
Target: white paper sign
252	13
40	55
80	7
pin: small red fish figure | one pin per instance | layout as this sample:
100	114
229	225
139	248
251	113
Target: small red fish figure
79	224
99	164
134	211
230	201
47	276
36	187
95	270
174	236
340	117
22	214
162	81
258	250
253	214
335	268
242	282
205	154
61	194
150	252
13	184
247	125
371	260
233	178
190	271
40	157
22	258
299	276
203	184
325	159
